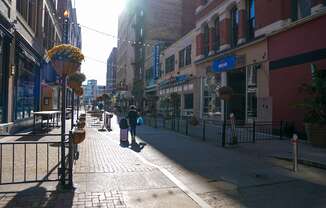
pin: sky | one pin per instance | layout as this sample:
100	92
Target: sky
101	15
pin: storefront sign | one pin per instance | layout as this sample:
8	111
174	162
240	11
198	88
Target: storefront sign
225	64
181	78
156	61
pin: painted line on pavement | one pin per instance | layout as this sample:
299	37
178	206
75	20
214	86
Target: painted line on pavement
170	176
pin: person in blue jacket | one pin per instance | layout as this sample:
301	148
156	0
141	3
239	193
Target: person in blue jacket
132	117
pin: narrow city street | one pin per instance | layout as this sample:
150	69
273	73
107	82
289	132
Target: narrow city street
166	169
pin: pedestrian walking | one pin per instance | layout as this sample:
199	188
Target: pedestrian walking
132	117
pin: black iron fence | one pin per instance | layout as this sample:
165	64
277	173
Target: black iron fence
33	161
224	133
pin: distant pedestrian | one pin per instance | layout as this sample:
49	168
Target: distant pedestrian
132	117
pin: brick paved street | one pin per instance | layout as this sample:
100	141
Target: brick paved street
167	169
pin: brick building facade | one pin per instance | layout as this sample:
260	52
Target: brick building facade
247	44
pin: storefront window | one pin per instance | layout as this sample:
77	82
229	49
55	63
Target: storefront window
1	82
252	91
25	90
189	101
212	101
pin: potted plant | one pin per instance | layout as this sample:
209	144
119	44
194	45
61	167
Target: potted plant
81	124
315	107
78	136
65	59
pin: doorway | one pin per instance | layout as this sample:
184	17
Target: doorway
237	105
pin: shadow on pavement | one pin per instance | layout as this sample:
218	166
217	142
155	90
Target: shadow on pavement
240	179
137	147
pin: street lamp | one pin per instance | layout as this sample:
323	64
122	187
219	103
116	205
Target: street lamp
63	106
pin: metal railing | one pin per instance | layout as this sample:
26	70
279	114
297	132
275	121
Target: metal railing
223	133
32	161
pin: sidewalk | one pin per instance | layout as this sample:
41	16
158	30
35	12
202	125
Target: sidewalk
106	175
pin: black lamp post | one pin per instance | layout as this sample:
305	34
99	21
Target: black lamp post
63	106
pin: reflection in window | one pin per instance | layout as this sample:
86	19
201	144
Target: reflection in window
1	81
212	101
234	26
25	90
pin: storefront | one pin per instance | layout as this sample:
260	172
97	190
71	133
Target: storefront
176	96
5	40
27	81
245	70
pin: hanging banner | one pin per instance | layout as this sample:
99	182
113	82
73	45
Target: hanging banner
156	61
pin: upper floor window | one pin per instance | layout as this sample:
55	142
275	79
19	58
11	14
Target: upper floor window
169	64
188	55
203	2
206	40
216	41
301	9
251	19
185	56
28	10
234	26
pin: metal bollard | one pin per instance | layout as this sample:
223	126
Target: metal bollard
295	142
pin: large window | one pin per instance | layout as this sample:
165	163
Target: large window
169	64
2	79
212	101
189	101
216	43
206	40
252	91
185	57
234	26
251	19
300	9
28	10
25	90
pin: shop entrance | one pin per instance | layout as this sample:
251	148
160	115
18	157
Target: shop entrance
237	105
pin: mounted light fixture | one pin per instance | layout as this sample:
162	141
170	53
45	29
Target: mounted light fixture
66	14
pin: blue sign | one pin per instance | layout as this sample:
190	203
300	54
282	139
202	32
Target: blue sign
225	64
181	78
156	61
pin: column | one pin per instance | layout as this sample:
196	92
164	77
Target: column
225	24
316	5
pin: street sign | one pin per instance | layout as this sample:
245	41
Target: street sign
224	64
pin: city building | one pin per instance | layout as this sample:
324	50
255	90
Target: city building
147	24
27	83
290	58
111	72
249	46
100	90
179	78
90	91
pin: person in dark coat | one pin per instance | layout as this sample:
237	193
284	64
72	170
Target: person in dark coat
132	117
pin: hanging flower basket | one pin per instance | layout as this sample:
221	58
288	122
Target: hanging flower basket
65	59
79	91
75	80
78	136
194	121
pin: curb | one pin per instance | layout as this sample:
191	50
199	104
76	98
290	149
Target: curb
304	162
